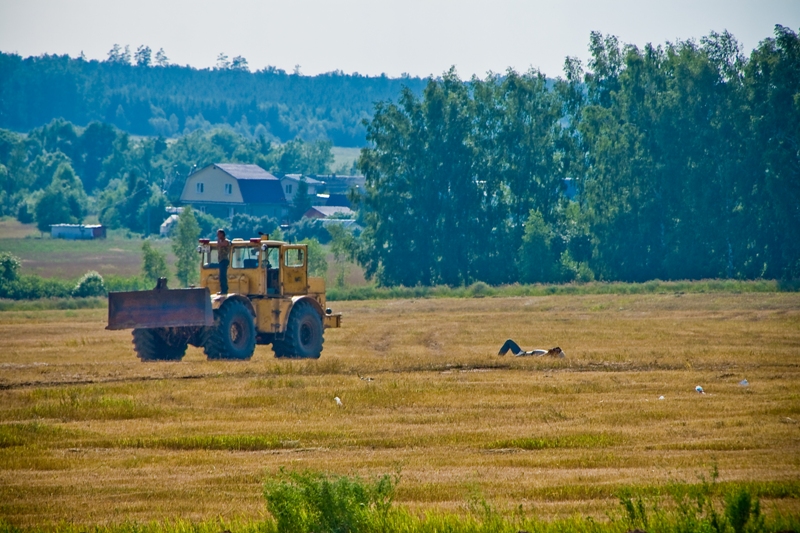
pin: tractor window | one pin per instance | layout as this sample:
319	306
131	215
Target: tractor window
244	258
273	257
210	259
294	257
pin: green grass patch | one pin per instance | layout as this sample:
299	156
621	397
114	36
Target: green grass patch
48	304
567	441
84	404
238	443
482	290
27	434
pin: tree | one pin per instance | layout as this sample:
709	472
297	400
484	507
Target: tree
240	63
538	264
185	247
344	246
143	56
119	55
9	267
302	200
63	202
154	263
161	58
222	62
317	264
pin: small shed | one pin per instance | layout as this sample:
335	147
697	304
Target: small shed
77	231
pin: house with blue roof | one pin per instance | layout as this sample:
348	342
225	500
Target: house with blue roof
226	189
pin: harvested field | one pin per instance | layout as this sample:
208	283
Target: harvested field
90	435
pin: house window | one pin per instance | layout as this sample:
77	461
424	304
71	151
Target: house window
228	189
199	187
288	188
231	212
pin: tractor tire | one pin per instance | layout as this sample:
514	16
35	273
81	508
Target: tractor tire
233	335
151	345
303	338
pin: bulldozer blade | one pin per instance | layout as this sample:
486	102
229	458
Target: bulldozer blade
160	308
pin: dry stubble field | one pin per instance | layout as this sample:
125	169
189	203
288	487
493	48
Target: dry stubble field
89	434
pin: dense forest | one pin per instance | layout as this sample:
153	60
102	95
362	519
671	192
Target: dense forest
143	94
686	158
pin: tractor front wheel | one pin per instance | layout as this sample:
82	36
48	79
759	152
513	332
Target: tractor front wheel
155	344
233	335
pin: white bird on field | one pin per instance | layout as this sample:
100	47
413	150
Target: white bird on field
700	389
338	401
364	378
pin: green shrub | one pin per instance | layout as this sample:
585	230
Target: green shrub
35	287
309	501
9	267
91	284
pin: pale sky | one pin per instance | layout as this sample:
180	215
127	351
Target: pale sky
419	37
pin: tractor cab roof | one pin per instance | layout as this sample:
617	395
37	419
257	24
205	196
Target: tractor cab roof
243	243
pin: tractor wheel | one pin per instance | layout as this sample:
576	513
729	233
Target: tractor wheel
151	345
233	335
303	337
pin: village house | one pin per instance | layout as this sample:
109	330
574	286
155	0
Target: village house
291	182
225	189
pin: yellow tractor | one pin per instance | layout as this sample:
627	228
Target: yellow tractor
271	300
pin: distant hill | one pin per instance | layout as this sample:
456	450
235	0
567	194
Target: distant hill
170	100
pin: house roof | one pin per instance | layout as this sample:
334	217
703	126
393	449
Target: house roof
256	184
298	177
327	211
245	172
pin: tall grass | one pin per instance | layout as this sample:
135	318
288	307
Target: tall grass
482	290
48	304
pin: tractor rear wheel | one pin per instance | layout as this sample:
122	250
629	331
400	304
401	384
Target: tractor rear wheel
303	338
233	335
154	344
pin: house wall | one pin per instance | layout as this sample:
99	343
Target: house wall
289	186
214	181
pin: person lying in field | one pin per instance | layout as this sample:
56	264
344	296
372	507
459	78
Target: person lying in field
519	352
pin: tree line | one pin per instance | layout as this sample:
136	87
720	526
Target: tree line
144	94
685	158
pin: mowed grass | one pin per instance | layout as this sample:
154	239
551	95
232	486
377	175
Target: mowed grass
90	435
59	258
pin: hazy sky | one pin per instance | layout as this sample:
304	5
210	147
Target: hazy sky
420	37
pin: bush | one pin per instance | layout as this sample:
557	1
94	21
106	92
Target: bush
306	502
9	267
246	226
208	225
308	228
91	284
120	283
35	287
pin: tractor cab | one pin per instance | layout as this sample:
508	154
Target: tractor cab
258	266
